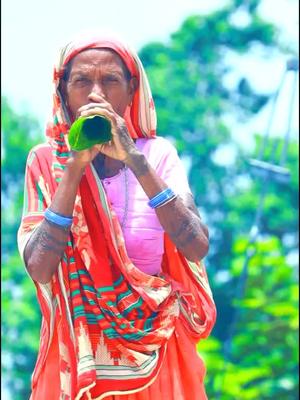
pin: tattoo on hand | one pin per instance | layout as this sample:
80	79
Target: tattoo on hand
125	138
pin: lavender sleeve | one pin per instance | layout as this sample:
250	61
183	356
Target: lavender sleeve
170	167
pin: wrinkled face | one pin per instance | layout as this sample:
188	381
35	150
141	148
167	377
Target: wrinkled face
99	71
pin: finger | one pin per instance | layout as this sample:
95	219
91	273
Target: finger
95	147
102	148
91	108
99	111
94	104
99	101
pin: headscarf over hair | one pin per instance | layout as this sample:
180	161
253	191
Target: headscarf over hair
140	116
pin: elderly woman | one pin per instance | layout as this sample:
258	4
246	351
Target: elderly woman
113	241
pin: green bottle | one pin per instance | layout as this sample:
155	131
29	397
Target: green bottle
85	132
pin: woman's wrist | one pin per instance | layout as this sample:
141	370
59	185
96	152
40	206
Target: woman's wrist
76	166
64	197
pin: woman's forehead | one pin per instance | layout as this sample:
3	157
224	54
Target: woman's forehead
91	58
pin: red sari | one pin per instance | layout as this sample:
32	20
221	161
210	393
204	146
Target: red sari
110	331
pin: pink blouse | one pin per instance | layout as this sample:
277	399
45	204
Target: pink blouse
142	230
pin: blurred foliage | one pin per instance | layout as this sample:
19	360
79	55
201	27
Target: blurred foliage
21	317
264	360
187	77
20	326
19	133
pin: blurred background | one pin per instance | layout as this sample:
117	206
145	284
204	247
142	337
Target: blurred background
224	76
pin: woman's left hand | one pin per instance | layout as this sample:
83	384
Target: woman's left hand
121	146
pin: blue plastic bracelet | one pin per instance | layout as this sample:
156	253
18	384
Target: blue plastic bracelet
162	194
159	199
167	201
58	219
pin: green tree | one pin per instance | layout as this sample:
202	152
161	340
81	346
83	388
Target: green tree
192	105
191	109
19	133
21	317
264	360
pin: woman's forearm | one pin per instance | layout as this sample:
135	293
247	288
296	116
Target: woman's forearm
179	217
46	246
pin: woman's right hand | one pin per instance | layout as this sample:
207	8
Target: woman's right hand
82	158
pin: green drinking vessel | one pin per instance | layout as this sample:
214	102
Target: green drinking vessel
85	132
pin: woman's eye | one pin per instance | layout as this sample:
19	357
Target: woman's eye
81	81
110	79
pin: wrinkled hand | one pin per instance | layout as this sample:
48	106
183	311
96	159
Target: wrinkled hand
121	146
82	158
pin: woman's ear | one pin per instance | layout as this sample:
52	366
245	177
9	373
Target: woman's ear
63	94
62	88
133	85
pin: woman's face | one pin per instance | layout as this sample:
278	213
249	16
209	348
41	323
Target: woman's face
98	71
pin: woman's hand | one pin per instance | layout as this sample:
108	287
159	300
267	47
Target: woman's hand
121	147
80	159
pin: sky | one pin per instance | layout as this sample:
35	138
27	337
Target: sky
33	30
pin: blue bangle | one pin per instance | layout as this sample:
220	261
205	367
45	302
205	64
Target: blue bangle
167	201
161	198
58	219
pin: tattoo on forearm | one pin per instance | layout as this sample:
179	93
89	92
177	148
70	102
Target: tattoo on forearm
190	204
45	241
61	228
140	166
186	232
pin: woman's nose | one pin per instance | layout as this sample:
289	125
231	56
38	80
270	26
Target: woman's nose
97	89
